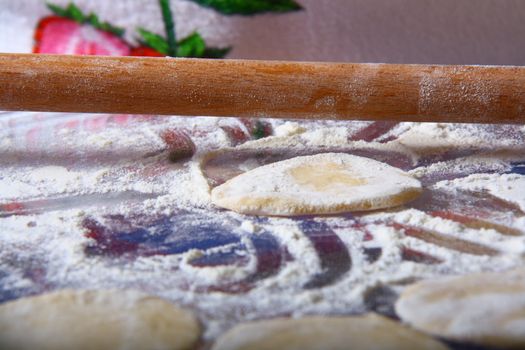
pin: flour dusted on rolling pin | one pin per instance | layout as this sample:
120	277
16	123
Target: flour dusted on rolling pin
321	184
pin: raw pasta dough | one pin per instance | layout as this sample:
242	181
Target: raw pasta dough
110	319
484	308
367	332
327	183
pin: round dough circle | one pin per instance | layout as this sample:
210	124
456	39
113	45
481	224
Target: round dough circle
328	183
367	332
484	308
102	319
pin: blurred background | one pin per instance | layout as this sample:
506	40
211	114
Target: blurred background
396	31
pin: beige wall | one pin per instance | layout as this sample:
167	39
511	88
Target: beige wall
409	31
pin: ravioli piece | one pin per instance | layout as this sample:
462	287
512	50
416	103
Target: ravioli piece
482	308
97	319
328	183
369	332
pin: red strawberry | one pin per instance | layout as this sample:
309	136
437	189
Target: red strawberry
58	35
72	32
145	51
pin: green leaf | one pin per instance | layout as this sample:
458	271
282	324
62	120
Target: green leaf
93	20
57	10
169	27
105	26
154	41
75	13
250	7
216	52
191	46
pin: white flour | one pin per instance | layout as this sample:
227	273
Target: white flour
510	187
45	251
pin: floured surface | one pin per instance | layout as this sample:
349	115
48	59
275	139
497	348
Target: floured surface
487	309
328	183
510	187
123	216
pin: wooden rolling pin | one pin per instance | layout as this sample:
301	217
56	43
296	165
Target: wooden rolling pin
471	94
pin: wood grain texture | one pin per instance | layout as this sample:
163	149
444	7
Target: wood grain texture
167	86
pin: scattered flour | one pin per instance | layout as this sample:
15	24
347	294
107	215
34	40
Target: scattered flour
509	187
46	249
288	129
429	137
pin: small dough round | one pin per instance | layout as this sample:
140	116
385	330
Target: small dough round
483	308
102	319
369	332
328	183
